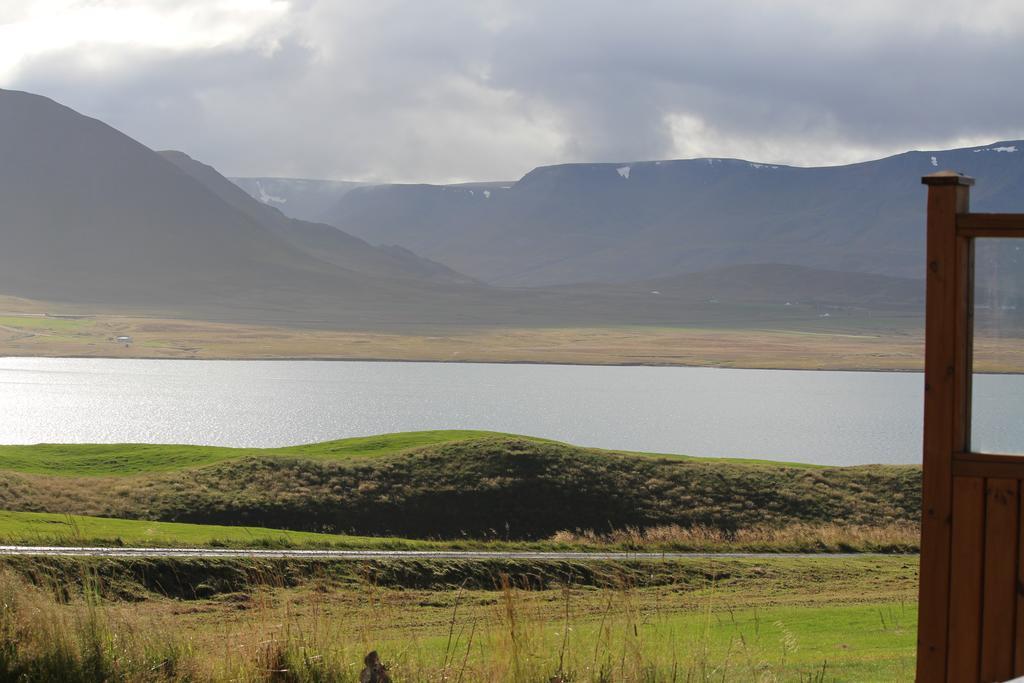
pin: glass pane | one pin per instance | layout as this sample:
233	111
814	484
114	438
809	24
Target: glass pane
997	422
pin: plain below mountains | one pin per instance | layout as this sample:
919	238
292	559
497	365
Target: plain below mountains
92	217
620	222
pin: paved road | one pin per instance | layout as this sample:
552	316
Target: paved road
390	554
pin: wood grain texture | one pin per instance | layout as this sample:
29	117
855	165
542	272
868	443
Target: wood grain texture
944	421
966	572
999	604
988	465
990	225
1018	646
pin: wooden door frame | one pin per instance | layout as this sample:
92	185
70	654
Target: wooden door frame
951	231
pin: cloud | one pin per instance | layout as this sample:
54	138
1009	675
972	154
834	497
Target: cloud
451	90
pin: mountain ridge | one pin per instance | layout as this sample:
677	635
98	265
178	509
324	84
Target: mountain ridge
623	221
92	217
305	199
319	240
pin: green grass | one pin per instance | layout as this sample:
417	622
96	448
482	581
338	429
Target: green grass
26	322
131	459
43	528
50	529
871	642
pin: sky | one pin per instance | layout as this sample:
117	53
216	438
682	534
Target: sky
452	90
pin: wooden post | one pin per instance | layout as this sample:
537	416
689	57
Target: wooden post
946	408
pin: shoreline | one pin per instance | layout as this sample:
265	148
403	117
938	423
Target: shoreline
708	366
376	359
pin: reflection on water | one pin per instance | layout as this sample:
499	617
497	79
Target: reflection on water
822	417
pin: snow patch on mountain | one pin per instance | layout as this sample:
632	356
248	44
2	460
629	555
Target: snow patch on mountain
268	198
935	162
1005	148
623	171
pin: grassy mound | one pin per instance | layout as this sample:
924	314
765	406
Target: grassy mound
93	460
122	460
463	486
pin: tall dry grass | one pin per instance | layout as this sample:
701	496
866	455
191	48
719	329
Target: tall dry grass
48	635
797	538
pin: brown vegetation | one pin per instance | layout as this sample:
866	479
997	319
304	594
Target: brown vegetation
835	538
896	344
728	626
499	488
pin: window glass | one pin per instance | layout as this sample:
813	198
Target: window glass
997	422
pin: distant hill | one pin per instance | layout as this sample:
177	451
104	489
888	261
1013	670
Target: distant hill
619	222
90	216
317	239
774	283
301	198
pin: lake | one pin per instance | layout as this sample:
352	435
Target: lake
837	418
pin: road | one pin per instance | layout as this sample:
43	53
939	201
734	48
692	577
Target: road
390	554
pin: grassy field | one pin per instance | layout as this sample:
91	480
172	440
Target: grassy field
132	459
699	619
42	528
48	529
780	620
449	485
26	330
844	342
822	347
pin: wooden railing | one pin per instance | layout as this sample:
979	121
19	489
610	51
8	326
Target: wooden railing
971	620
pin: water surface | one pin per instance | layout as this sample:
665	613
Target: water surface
812	416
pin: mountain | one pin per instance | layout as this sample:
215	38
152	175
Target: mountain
322	241
301	198
92	216
635	221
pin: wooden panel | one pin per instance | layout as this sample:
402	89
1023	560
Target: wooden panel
966	575
988	465
947	197
992	233
999	604
1018	663
990	225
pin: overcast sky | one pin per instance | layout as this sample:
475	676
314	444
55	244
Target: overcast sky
444	90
